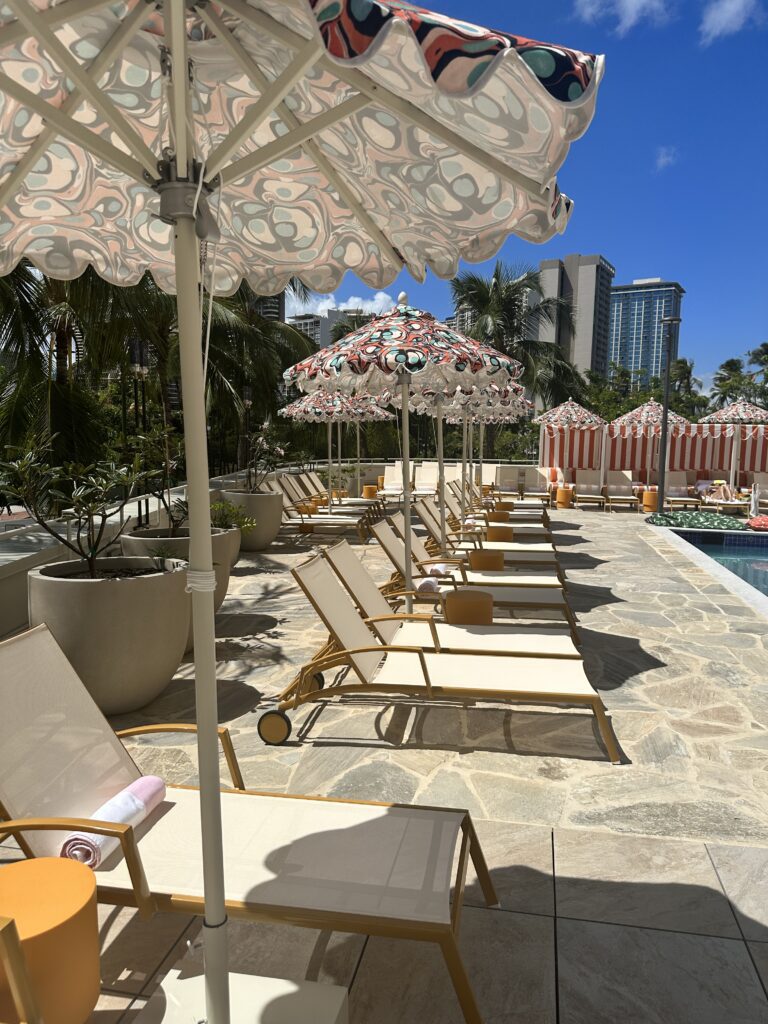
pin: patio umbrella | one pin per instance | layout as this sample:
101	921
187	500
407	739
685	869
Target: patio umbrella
387	353
248	139
329	408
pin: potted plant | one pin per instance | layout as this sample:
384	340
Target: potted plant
261	504
233	519
122	622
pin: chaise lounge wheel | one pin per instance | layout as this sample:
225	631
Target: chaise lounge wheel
274	727
319	680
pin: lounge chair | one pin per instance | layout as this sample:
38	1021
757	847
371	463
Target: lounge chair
588	489
678	494
372	869
393	482
619	489
462	541
761	479
508	481
527	601
458	570
425	479
311	491
302	517
522	524
424	670
537	483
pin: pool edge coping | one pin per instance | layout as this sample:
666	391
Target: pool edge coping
752	597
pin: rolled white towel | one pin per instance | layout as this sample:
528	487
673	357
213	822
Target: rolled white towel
428	586
128	807
441	569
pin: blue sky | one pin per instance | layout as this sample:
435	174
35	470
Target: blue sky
670	179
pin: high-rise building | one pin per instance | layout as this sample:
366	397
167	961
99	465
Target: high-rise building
272	307
584	281
462	321
318	328
637	333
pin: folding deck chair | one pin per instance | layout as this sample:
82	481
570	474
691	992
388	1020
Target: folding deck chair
366	665
311	862
527	601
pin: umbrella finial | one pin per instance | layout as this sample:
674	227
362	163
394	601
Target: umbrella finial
402	299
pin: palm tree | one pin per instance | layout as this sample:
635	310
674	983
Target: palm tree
508	310
681	378
729	383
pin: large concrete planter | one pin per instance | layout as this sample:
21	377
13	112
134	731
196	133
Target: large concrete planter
266	509
124	637
154	541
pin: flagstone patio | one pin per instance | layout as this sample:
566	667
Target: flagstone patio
634	892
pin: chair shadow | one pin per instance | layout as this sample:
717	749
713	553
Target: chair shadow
584	597
611	660
177	704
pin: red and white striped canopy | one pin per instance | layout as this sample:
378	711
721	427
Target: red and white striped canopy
737	412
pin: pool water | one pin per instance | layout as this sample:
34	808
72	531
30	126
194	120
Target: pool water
749	564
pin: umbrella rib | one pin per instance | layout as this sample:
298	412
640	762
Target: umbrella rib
285	144
254	72
96	69
273	95
95	96
77	133
15	32
382	96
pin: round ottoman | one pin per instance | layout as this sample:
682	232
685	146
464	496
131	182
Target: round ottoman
469	606
650	501
486	561
370	491
564	497
53	902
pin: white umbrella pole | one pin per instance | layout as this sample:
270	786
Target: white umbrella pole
603	457
357	431
480	454
405	394
441	474
330	465
471	436
463	466
338	455
202	582
735	446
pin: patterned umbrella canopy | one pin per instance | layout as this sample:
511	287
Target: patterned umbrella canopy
402	344
737	412
648	415
570	414
333	135
323	407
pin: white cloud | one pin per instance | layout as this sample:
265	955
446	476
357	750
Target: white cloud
726	17
627	13
380	302
666	156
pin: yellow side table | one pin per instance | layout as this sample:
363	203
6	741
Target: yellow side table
564	498
53	902
650	501
369	491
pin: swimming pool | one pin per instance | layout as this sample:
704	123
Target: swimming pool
745	555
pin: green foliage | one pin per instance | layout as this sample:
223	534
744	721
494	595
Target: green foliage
226	516
91	494
265	454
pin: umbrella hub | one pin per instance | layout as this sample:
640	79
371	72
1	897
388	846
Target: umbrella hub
186	198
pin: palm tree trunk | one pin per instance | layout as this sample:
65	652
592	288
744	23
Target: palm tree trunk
62	345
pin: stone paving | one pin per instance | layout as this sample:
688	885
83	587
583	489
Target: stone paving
636	892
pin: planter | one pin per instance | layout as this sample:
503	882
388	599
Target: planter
151	541
266	509
125	637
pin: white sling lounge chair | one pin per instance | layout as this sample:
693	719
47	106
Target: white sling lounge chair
311	490
424	671
588	490
531	524
425	479
462	542
677	493
537	483
373	869
619	489
423	630
527	601
460	571
393	482
297	516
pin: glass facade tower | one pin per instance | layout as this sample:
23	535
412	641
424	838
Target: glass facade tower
636	330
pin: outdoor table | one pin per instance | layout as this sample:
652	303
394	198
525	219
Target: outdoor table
53	902
564	497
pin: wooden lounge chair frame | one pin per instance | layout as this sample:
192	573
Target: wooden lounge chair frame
136	892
